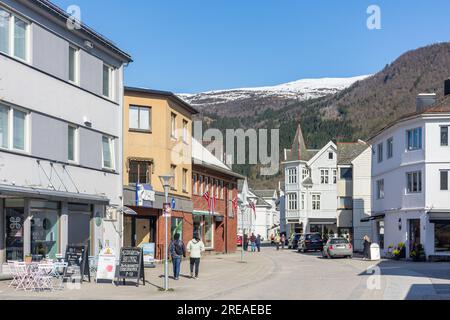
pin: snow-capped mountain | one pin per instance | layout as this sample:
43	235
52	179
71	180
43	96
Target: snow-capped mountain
297	90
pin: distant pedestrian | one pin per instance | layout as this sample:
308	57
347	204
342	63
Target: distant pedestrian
258	242
195	248
367	244
178	252
245	243
283	241
277	241
253	242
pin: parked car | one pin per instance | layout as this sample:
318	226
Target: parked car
293	241
337	247
239	240
310	242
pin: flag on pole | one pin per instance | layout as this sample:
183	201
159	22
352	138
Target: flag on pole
251	204
213	204
235	204
208	199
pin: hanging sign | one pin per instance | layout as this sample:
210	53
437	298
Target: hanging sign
145	196
167	209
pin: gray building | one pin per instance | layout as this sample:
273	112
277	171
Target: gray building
61	96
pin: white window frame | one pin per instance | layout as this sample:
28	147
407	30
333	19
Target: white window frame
111	81
334	172
292	201
292	175
440	135
26	133
303	201
12	19
139	108
380	155
201	186
194	184
221	189
390	148
305	174
77	65
415	175
173	125
185	131
380	189
316	202
113	159
76	147
184	180
420	142
324	176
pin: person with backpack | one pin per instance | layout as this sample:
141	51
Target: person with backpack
178	252
195	248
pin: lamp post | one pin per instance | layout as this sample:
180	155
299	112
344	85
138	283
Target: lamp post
165	181
243	233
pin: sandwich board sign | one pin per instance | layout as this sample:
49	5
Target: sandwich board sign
106	266
148	250
131	265
77	263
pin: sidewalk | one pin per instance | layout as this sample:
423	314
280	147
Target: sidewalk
218	274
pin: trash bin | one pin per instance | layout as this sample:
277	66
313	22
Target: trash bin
375	252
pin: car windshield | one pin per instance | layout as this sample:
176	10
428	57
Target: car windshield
338	241
313	237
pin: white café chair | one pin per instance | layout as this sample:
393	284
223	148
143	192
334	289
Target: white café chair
58	274
22	275
44	276
13	272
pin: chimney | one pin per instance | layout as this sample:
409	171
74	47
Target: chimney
424	100
447	87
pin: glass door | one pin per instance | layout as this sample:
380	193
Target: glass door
14	234
44	234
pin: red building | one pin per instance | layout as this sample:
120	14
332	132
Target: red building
215	219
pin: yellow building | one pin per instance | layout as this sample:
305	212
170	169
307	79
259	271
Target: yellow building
157	141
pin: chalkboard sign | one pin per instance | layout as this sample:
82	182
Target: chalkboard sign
77	262
131	265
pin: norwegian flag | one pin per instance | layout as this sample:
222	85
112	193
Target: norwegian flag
251	205
211	201
212	206
235	204
207	197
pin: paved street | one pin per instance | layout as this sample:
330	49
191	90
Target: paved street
276	275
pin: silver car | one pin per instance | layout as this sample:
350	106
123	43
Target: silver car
337	247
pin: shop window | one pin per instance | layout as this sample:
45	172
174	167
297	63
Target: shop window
14	233
209	229
442	237
176	227
44	234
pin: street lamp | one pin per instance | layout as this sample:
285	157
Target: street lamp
165	181
243	232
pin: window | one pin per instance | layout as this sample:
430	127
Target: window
316	201
303	201
380	189
173	173
292	201
346	173
305	174
292	175
73	64
108	152
13	35
390	148
444	136
140	118
231	208
444	180
13	128
221	189
345	203
414	139
173	122
139	171
72	137
194	184
217	189
380	152
206	184
200	178
442	236
185	131
414	182
330	155
209	227
324	176
334	176
185	179
107	81
176	226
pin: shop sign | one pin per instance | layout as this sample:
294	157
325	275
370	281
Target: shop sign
131	265
149	254
145	195
106	267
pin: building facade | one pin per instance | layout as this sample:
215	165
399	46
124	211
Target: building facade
60	133
214	216
410	167
310	184
267	222
157	141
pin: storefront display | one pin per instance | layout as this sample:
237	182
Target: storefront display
14	229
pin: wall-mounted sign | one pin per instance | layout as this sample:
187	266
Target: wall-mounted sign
145	195
111	213
174	204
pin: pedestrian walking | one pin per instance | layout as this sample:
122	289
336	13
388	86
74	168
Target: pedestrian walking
245	242
283	241
195	248
277	241
253	242
258	242
178	252
367	244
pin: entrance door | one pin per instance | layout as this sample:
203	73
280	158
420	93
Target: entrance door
414	233
142	231
44	234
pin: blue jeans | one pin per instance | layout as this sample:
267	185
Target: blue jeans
176	267
253	247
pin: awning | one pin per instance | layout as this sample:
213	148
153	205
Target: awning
51	195
439	217
375	216
206	213
322	221
126	210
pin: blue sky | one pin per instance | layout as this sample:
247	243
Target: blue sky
200	45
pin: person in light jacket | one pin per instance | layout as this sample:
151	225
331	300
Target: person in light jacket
195	248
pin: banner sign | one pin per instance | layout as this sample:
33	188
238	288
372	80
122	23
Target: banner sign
145	195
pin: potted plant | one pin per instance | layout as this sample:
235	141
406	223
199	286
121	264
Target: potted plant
28	259
418	253
402	248
396	254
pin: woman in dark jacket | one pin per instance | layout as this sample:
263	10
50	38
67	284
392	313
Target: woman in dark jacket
367	244
178	252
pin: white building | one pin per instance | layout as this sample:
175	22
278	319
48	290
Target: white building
310	187
61	96
410	168
267	221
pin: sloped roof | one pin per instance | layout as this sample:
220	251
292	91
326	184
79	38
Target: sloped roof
265	193
348	151
299	151
441	106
